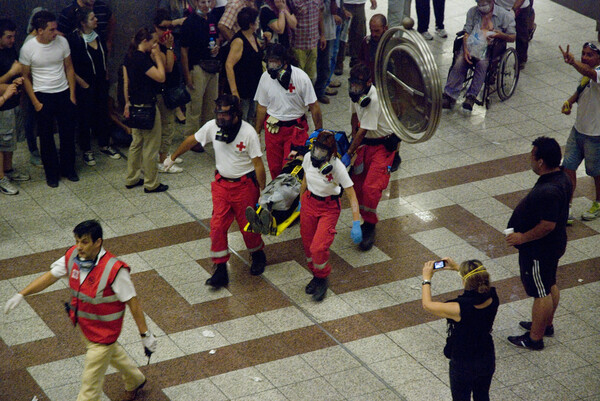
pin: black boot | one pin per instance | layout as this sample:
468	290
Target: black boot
310	287
368	236
320	289
396	162
219	277
259	261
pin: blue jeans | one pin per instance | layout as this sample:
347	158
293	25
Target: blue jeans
458	73
323	68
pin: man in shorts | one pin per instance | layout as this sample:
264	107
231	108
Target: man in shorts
584	140
539	222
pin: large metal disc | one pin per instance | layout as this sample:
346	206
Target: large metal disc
408	84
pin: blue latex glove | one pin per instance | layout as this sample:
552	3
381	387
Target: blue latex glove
298	208
356	232
346	159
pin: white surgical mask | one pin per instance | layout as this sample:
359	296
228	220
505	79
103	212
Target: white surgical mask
484	8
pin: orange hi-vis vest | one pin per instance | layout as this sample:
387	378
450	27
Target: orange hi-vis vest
94	305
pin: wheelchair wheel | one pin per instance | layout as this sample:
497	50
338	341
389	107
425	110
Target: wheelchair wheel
508	74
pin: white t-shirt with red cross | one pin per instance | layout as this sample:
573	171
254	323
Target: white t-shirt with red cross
286	104
371	117
233	160
329	184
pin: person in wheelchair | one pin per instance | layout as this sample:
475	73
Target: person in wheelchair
485	23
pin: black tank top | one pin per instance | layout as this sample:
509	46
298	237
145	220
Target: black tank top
248	69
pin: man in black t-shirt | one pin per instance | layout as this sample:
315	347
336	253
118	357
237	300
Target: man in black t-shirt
106	19
10	71
200	65
539	222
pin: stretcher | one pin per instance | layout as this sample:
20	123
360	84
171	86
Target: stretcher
279	204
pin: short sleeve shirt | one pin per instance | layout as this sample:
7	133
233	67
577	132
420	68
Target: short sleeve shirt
501	19
7	59
47	64
286	104
306	34
371	117
234	159
195	36
326	185
122	286
233	7
141	86
588	108
548	200
67	18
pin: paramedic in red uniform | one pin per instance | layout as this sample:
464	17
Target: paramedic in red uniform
101	287
283	94
374	143
239	178
324	178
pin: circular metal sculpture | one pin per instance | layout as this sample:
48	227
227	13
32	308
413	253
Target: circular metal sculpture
408	83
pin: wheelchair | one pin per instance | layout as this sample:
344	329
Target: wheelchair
501	76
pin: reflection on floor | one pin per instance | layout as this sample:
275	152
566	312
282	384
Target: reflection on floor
262	338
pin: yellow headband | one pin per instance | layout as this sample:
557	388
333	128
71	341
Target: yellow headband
480	269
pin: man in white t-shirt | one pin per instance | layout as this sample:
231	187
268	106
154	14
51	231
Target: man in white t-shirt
283	94
239	178
374	143
50	84
101	287
584	140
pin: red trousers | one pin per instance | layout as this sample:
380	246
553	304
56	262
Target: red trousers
279	145
318	219
230	200
372	179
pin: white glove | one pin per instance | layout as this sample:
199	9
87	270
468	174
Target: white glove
149	341
13	302
168	163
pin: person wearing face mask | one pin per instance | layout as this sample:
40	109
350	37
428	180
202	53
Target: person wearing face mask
374	144
284	92
67	21
89	61
239	178
470	317
325	177
200	64
101	288
484	23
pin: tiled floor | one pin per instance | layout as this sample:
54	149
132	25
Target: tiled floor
262	338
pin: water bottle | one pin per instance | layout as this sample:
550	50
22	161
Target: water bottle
212	43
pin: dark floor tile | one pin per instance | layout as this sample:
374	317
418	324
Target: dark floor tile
350	328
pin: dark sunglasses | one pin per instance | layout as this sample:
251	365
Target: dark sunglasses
592	46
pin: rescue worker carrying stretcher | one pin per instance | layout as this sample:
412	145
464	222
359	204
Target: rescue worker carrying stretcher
239	178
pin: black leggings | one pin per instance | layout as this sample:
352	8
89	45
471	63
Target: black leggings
468	377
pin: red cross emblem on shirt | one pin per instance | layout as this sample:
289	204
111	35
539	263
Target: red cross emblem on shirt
291	87
329	177
241	146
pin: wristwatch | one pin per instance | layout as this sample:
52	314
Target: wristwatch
425	282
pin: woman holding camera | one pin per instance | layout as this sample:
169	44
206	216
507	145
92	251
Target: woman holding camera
470	316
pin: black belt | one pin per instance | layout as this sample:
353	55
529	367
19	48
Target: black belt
218	177
291	123
375	141
324	198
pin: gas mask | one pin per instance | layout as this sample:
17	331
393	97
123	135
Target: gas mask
229	129
319	158
85	265
358	91
276	71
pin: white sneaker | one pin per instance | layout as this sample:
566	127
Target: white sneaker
173	170
179	160
426	35
6	187
441	33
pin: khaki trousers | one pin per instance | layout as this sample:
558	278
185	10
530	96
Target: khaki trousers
307	61
167	123
142	155
202	107
97	359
